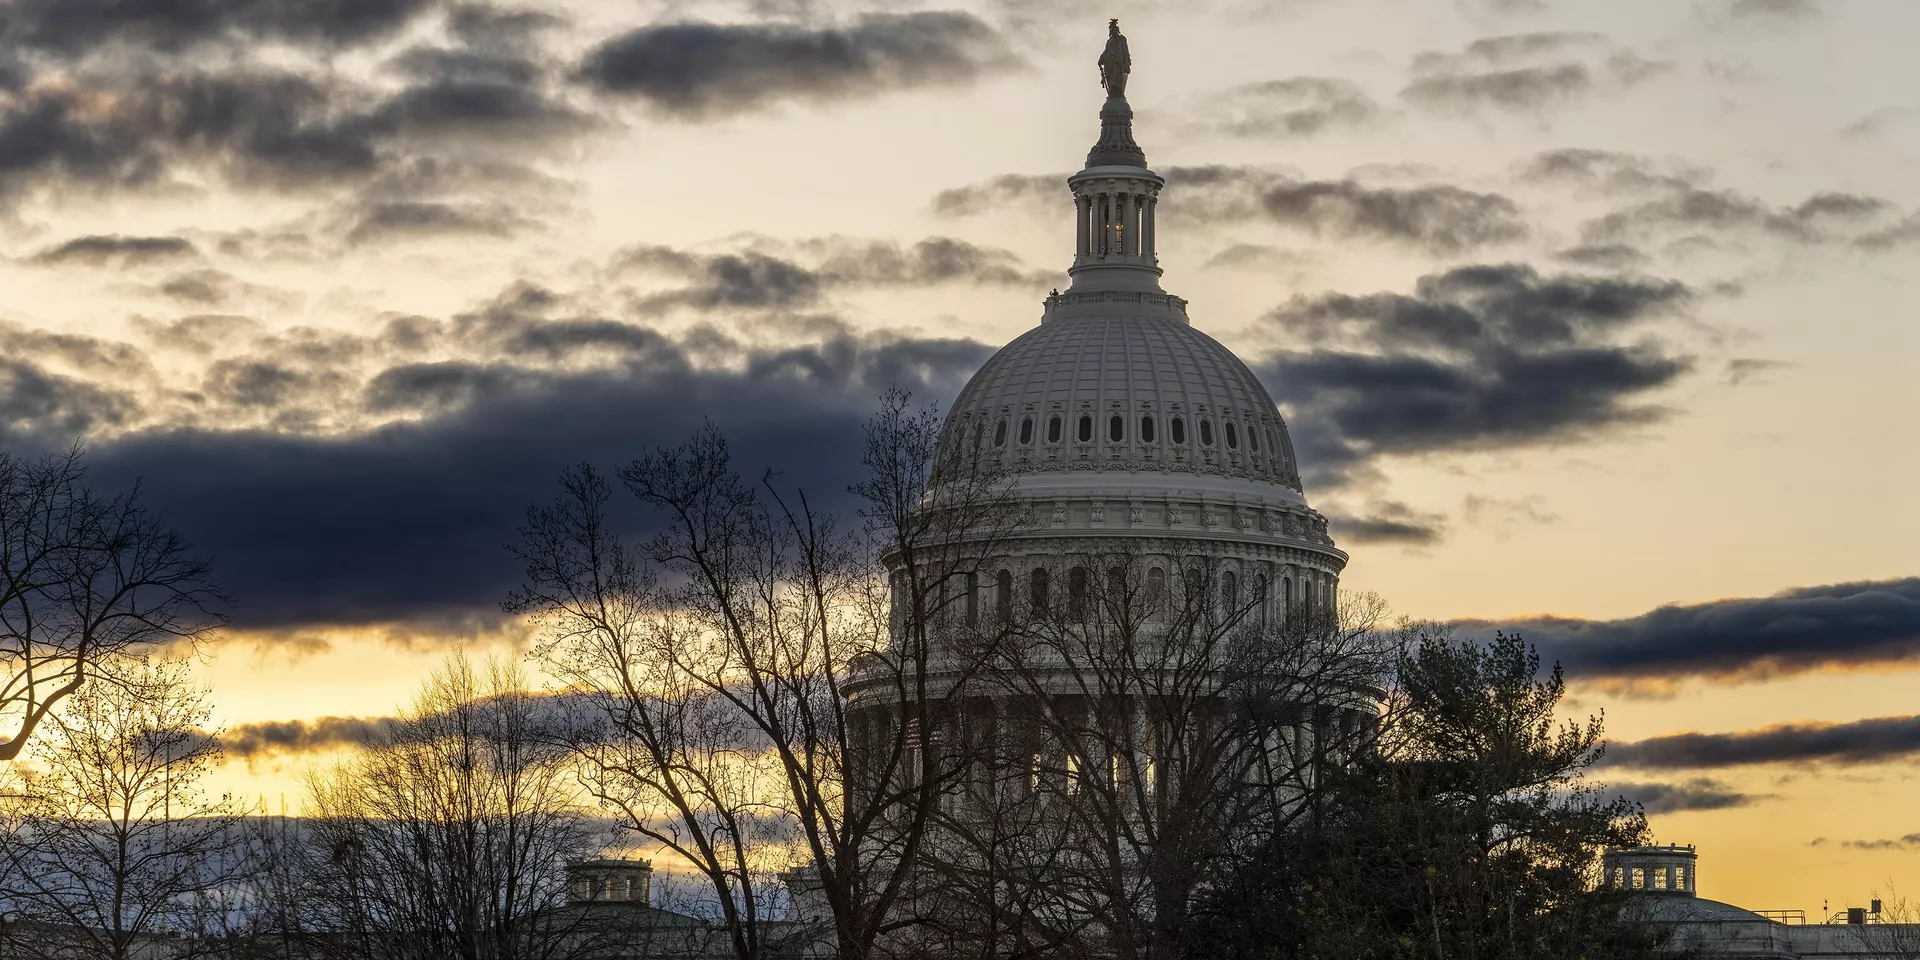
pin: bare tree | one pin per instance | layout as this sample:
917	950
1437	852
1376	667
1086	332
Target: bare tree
84	578
447	838
1895	934
763	675
114	842
1152	716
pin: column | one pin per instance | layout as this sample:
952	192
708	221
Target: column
1129	223
1084	206
1112	217
1146	229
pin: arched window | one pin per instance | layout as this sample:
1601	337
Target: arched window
1086	428
1026	430
1117	586
897	603
1000	433
973	597
1156	589
1206	432
1229	593
1146	429
1286	595
1194	585
1116	428
1260	597
1003	595
1253	439
1077	593
1037	590
1053	430
1177	428
1233	437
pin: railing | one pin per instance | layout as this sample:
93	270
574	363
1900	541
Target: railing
1795	917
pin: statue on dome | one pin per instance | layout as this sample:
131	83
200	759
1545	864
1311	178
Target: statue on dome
1115	62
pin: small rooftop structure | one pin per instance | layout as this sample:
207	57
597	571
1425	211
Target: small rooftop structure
1660	869
1660	882
610	881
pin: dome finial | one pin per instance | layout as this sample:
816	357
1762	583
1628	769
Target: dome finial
1116	147
1115	63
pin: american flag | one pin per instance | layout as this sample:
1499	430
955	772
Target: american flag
913	738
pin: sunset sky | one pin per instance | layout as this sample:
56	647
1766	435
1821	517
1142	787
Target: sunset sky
1592	319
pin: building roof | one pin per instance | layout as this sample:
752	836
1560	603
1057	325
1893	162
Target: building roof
1653	907
1137	368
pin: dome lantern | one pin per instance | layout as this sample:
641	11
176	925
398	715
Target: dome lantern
1115	196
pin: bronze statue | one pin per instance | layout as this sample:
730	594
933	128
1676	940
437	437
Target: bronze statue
1115	62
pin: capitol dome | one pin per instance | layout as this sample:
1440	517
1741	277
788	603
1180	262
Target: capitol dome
1115	391
1122	424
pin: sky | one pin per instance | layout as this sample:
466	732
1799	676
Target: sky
1591	320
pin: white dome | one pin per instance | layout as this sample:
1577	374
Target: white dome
1048	402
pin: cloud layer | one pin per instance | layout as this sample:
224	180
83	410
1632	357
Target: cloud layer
1477	357
695	70
1873	740
1840	626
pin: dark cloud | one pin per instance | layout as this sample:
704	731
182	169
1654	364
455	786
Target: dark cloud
1700	793
1905	232
247	741
702	70
207	287
1496	72
77	26
1391	522
1043	193
1289	108
347	479
1440	218
116	251
1608	170
1847	625
37	403
1513	48
485	26
1670	200
1775	9
135	123
1727	212
1261	257
201	334
929	261
1909	842
1522	88
1742	370
412	219
1874	740
499	105
1605	256
1477	357
757	279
